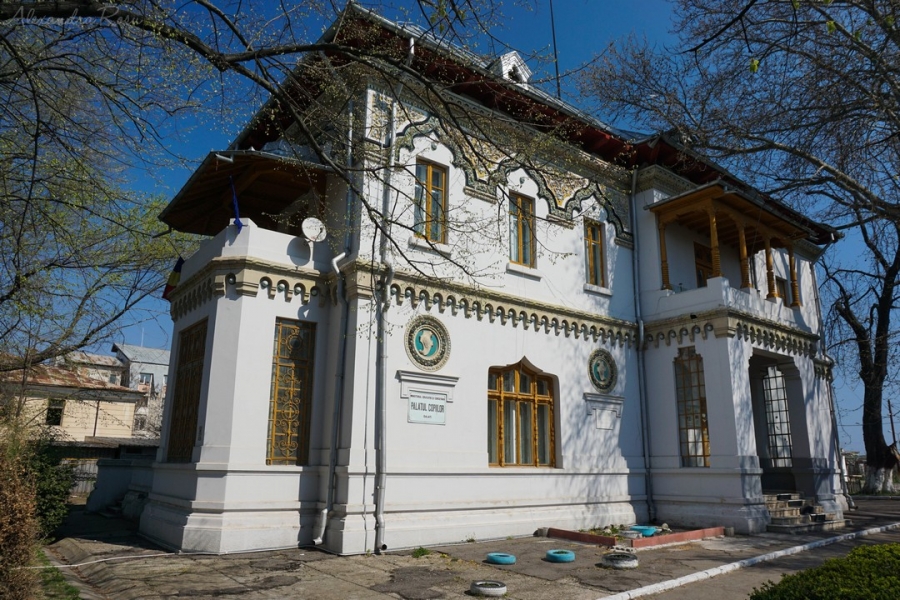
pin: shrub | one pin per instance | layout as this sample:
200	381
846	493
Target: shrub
866	573
19	529
52	483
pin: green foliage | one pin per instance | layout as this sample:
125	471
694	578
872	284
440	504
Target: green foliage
420	552
52	483
866	573
19	529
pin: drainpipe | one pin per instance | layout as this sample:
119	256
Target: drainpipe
322	517
642	369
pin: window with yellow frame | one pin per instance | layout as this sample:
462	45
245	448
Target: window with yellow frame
693	423
594	253
520	418
431	202
521	230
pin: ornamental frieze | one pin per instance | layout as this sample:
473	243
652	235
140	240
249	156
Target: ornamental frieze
565	192
759	332
501	309
247	277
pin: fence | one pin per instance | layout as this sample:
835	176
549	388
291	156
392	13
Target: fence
85	470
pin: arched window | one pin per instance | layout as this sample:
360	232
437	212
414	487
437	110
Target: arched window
520	418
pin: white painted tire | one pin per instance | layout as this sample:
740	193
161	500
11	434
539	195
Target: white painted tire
620	560
494	589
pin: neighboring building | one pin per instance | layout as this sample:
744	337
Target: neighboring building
647	346
146	370
74	405
96	366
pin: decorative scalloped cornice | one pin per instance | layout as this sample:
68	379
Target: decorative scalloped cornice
247	275
724	322
505	309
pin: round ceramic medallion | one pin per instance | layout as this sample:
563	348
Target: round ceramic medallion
427	343
602	369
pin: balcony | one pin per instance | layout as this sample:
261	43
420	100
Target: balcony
719	294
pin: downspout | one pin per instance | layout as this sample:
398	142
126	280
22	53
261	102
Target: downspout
834	424
322	518
642	369
384	302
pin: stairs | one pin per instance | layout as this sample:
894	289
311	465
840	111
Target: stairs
113	511
790	512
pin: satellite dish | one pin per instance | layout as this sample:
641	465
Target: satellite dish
313	229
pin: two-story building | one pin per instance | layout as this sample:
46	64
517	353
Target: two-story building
501	316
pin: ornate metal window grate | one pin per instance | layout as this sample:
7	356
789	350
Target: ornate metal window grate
290	405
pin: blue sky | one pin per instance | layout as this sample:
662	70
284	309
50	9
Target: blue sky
584	28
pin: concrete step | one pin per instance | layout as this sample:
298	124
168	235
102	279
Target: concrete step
807	527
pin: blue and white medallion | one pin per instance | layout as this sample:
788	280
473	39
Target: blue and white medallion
427	343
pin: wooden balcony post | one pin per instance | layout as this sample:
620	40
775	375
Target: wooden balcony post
770	271
745	267
714	240
663	259
795	286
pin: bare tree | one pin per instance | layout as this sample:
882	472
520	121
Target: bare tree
802	98
92	90
77	249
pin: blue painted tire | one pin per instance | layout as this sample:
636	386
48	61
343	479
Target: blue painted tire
560	556
499	558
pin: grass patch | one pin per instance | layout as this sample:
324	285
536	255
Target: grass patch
53	583
866	573
420	552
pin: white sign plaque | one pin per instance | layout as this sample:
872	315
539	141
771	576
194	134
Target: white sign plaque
427	407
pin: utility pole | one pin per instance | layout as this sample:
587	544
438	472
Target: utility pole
555	53
891	415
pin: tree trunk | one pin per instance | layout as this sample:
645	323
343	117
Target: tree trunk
880	458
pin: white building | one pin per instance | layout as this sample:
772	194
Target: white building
642	339
145	370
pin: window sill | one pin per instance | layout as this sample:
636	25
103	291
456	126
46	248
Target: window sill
597	289
524	271
421	244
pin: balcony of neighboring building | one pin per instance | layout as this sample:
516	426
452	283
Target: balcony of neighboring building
721	247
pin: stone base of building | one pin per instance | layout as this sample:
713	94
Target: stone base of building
222	532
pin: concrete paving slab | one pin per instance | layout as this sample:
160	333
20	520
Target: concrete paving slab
114	564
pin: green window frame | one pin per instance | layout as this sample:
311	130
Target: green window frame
521	230
430	218
594	253
520	418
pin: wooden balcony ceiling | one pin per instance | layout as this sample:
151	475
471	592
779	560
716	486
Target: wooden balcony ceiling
266	184
761	217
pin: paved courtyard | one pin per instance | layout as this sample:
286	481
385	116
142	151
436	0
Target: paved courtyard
110	561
